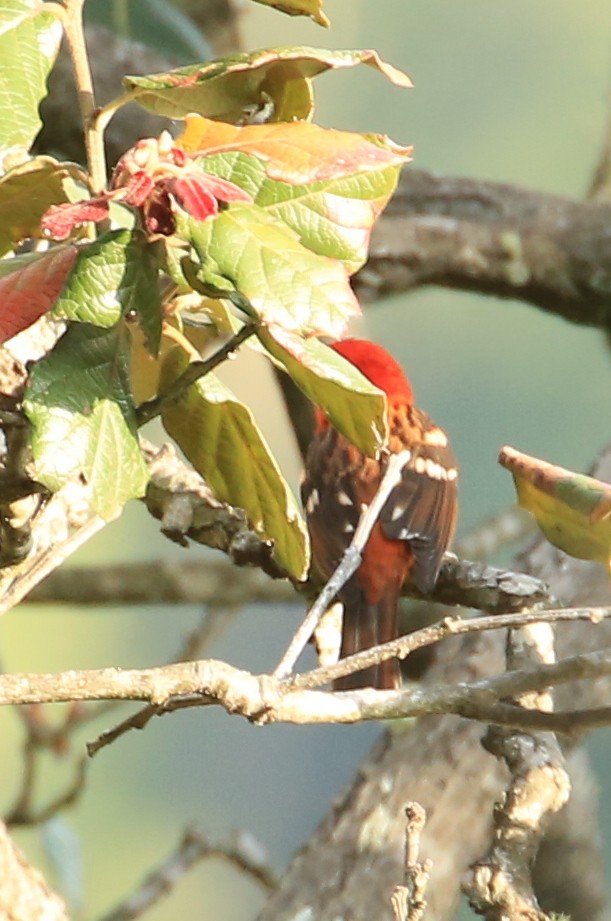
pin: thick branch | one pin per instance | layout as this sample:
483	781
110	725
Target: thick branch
495	239
24	895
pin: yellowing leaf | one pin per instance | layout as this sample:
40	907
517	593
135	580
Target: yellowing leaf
296	152
278	79
332	217
311	8
25	194
572	510
219	436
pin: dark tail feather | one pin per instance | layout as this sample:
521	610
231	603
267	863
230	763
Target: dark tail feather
368	624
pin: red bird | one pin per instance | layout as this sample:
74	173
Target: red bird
416	523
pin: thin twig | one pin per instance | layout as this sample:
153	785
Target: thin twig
23	813
474	701
349	564
192	373
261	698
103	115
94	142
243	852
427	636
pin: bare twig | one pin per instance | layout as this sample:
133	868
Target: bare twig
263	699
348	565
94	143
450	626
27	815
242	851
192	373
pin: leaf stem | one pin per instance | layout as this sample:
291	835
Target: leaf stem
196	369
101	117
94	142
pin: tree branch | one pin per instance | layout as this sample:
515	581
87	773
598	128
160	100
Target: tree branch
23	891
495	239
501	883
263	699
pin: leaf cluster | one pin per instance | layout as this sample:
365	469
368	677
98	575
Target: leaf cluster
254	216
249	224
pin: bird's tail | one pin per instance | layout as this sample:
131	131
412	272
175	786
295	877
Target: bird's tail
368	624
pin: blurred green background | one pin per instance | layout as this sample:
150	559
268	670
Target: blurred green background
506	91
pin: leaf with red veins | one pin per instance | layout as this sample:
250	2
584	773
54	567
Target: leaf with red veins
60	220
223	189
138	188
193	196
198	193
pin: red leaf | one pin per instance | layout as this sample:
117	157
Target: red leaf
27	293
223	189
60	220
138	188
194	197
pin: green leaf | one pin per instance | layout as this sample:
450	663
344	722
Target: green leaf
274	78
332	217
80	405
311	8
295	152
29	43
245	254
113	275
219	436
25	194
572	510
354	406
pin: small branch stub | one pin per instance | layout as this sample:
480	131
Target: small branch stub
408	902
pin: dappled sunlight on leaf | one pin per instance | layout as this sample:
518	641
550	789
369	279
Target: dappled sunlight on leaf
355	407
241	84
295	152
245	253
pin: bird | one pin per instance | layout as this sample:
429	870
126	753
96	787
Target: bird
415	525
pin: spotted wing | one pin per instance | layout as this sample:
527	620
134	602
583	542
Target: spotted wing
423	507
329	500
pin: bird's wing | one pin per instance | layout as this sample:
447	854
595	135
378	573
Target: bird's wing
423	507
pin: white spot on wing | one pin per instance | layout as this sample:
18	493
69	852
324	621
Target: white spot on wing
436	437
397	512
343	498
313	501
